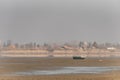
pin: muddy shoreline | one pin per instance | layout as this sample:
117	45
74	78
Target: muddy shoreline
26	64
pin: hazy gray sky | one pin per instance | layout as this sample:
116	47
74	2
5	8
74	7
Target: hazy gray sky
60	20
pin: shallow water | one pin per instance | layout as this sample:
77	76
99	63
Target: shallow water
68	70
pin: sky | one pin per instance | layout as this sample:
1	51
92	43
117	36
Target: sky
59	20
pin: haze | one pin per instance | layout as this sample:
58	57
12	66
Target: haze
60	20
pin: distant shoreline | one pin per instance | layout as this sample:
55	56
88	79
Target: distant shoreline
59	53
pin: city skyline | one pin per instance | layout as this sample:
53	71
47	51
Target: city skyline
55	21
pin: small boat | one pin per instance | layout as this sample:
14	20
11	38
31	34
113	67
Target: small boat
78	57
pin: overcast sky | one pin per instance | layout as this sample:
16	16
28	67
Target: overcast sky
60	20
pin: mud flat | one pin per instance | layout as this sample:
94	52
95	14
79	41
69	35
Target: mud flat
16	65
112	76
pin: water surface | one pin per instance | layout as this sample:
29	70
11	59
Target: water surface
68	70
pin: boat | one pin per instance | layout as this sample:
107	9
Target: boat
78	57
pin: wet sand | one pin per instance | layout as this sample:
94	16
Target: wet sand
8	65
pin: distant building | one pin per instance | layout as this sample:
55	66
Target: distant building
11	46
95	45
9	43
83	45
111	48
